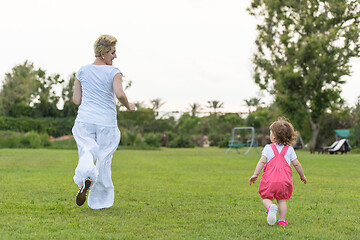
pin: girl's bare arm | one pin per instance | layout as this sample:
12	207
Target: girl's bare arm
258	169
299	169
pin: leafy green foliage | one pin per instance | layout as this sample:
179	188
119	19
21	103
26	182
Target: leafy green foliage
23	140
29	92
69	108
181	142
215	105
28	103
55	127
303	52
46	96
18	88
355	123
153	140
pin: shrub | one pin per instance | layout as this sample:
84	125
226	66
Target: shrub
55	127
31	140
10	140
181	142
130	138
45	140
152	139
166	138
217	139
64	144
20	140
223	144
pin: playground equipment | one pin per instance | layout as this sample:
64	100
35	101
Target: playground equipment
340	145
342	133
233	143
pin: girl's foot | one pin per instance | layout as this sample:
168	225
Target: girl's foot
271	217
282	222
83	191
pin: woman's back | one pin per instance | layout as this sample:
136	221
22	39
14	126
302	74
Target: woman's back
98	101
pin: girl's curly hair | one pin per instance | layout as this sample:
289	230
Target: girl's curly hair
284	132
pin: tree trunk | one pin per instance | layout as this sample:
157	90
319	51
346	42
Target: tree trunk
315	133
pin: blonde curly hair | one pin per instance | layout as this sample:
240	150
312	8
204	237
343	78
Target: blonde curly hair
284	132
103	44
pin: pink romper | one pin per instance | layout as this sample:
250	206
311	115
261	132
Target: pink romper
276	180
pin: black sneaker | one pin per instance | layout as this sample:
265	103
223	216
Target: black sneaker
83	191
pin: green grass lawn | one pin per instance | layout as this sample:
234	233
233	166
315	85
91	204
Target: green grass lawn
196	193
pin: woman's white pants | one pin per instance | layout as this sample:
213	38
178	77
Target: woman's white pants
96	143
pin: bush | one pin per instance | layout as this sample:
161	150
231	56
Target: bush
20	140
130	138
217	139
166	138
31	140
223	144
10	140
64	144
45	140
181	142
152	139
55	127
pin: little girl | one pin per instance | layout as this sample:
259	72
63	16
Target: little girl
276	181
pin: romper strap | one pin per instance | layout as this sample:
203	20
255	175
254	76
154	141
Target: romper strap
284	150
276	152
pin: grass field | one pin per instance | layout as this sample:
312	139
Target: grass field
196	193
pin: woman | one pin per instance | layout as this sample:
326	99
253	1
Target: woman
95	129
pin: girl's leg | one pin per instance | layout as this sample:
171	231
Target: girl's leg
282	209
267	203
271	211
102	192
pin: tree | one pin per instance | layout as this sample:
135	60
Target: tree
18	89
46	99
215	104
303	53
356	122
140	105
29	92
194	109
156	104
253	102
70	108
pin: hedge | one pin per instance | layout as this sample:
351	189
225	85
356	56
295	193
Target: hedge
55	127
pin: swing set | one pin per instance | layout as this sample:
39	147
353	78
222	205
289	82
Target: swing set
235	143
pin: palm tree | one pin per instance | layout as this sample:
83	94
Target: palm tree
195	108
140	105
214	104
249	104
253	102
256	102
156	104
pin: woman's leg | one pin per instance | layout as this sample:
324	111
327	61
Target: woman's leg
102	192
282	209
84	135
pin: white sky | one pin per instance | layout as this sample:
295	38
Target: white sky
180	51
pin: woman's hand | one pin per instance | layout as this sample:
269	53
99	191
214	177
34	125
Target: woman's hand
132	107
